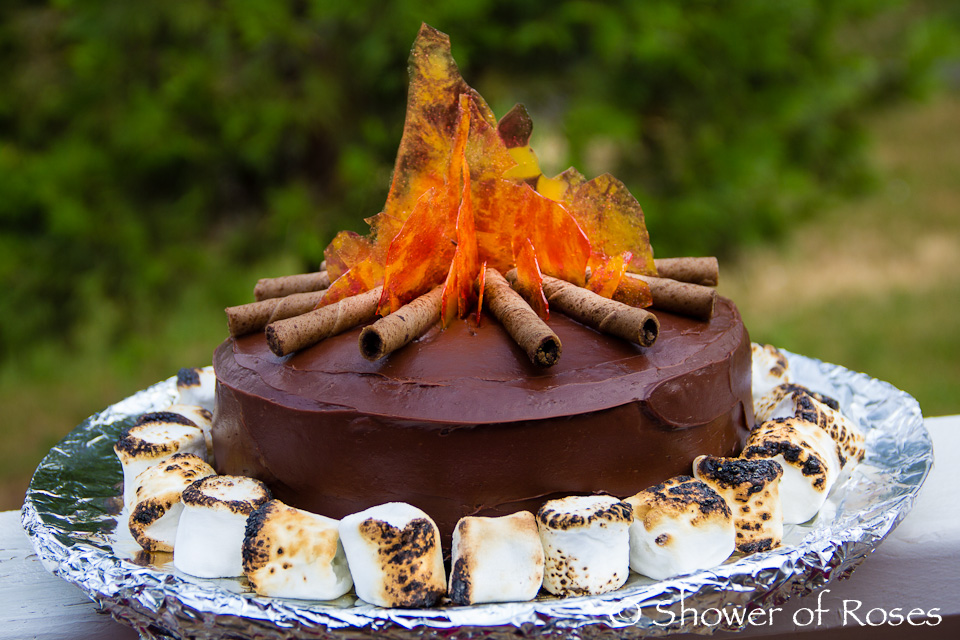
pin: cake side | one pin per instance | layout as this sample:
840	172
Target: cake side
456	425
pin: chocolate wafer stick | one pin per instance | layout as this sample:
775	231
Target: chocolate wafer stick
247	318
279	287
523	324
692	300
606	315
705	271
293	334
401	327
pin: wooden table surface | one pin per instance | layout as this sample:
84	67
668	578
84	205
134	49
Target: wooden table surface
917	569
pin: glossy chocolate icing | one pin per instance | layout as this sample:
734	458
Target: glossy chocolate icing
461	423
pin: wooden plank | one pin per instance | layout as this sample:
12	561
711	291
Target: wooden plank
37	604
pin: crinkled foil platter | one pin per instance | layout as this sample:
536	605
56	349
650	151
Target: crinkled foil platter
72	510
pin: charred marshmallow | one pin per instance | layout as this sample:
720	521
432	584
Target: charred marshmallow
200	417
795	401
156	510
785	401
197	385
154	438
770	368
751	489
394	555
679	526
496	559
291	553
809	458
213	524
586	544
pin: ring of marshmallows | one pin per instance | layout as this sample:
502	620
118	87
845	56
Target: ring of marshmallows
229	526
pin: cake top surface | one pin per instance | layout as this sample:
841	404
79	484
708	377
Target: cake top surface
470	374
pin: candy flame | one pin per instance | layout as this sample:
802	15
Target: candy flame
461	197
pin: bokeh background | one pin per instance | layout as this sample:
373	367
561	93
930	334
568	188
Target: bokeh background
157	158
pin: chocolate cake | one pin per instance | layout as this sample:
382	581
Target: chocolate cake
460	422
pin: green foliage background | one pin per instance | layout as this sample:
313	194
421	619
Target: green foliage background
150	150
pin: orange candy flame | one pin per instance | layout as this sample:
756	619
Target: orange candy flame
461	196
530	280
459	291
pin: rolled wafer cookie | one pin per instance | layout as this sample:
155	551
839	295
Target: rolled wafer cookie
268	288
683	298
696	270
299	332
531	333
401	327
603	314
254	316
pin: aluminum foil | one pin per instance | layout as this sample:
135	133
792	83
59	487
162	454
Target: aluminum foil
73	505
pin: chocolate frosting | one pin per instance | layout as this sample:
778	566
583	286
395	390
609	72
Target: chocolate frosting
461	423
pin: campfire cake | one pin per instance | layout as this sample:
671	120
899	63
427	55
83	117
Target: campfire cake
470	411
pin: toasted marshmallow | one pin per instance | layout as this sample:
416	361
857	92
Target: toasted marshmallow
586	544
201	417
291	553
679	526
197	385
751	489
796	401
770	368
151	441
810	460
156	509
394	555
496	559
213	523
785	401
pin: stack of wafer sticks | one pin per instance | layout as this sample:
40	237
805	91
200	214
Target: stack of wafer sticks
287	310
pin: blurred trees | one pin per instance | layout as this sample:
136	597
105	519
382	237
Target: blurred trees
148	145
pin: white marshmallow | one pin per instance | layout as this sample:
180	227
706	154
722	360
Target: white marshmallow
796	401
394	555
770	368
751	489
197	385
201	417
156	510
496	559
213	523
586	544
679	526
291	553
809	458
154	438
